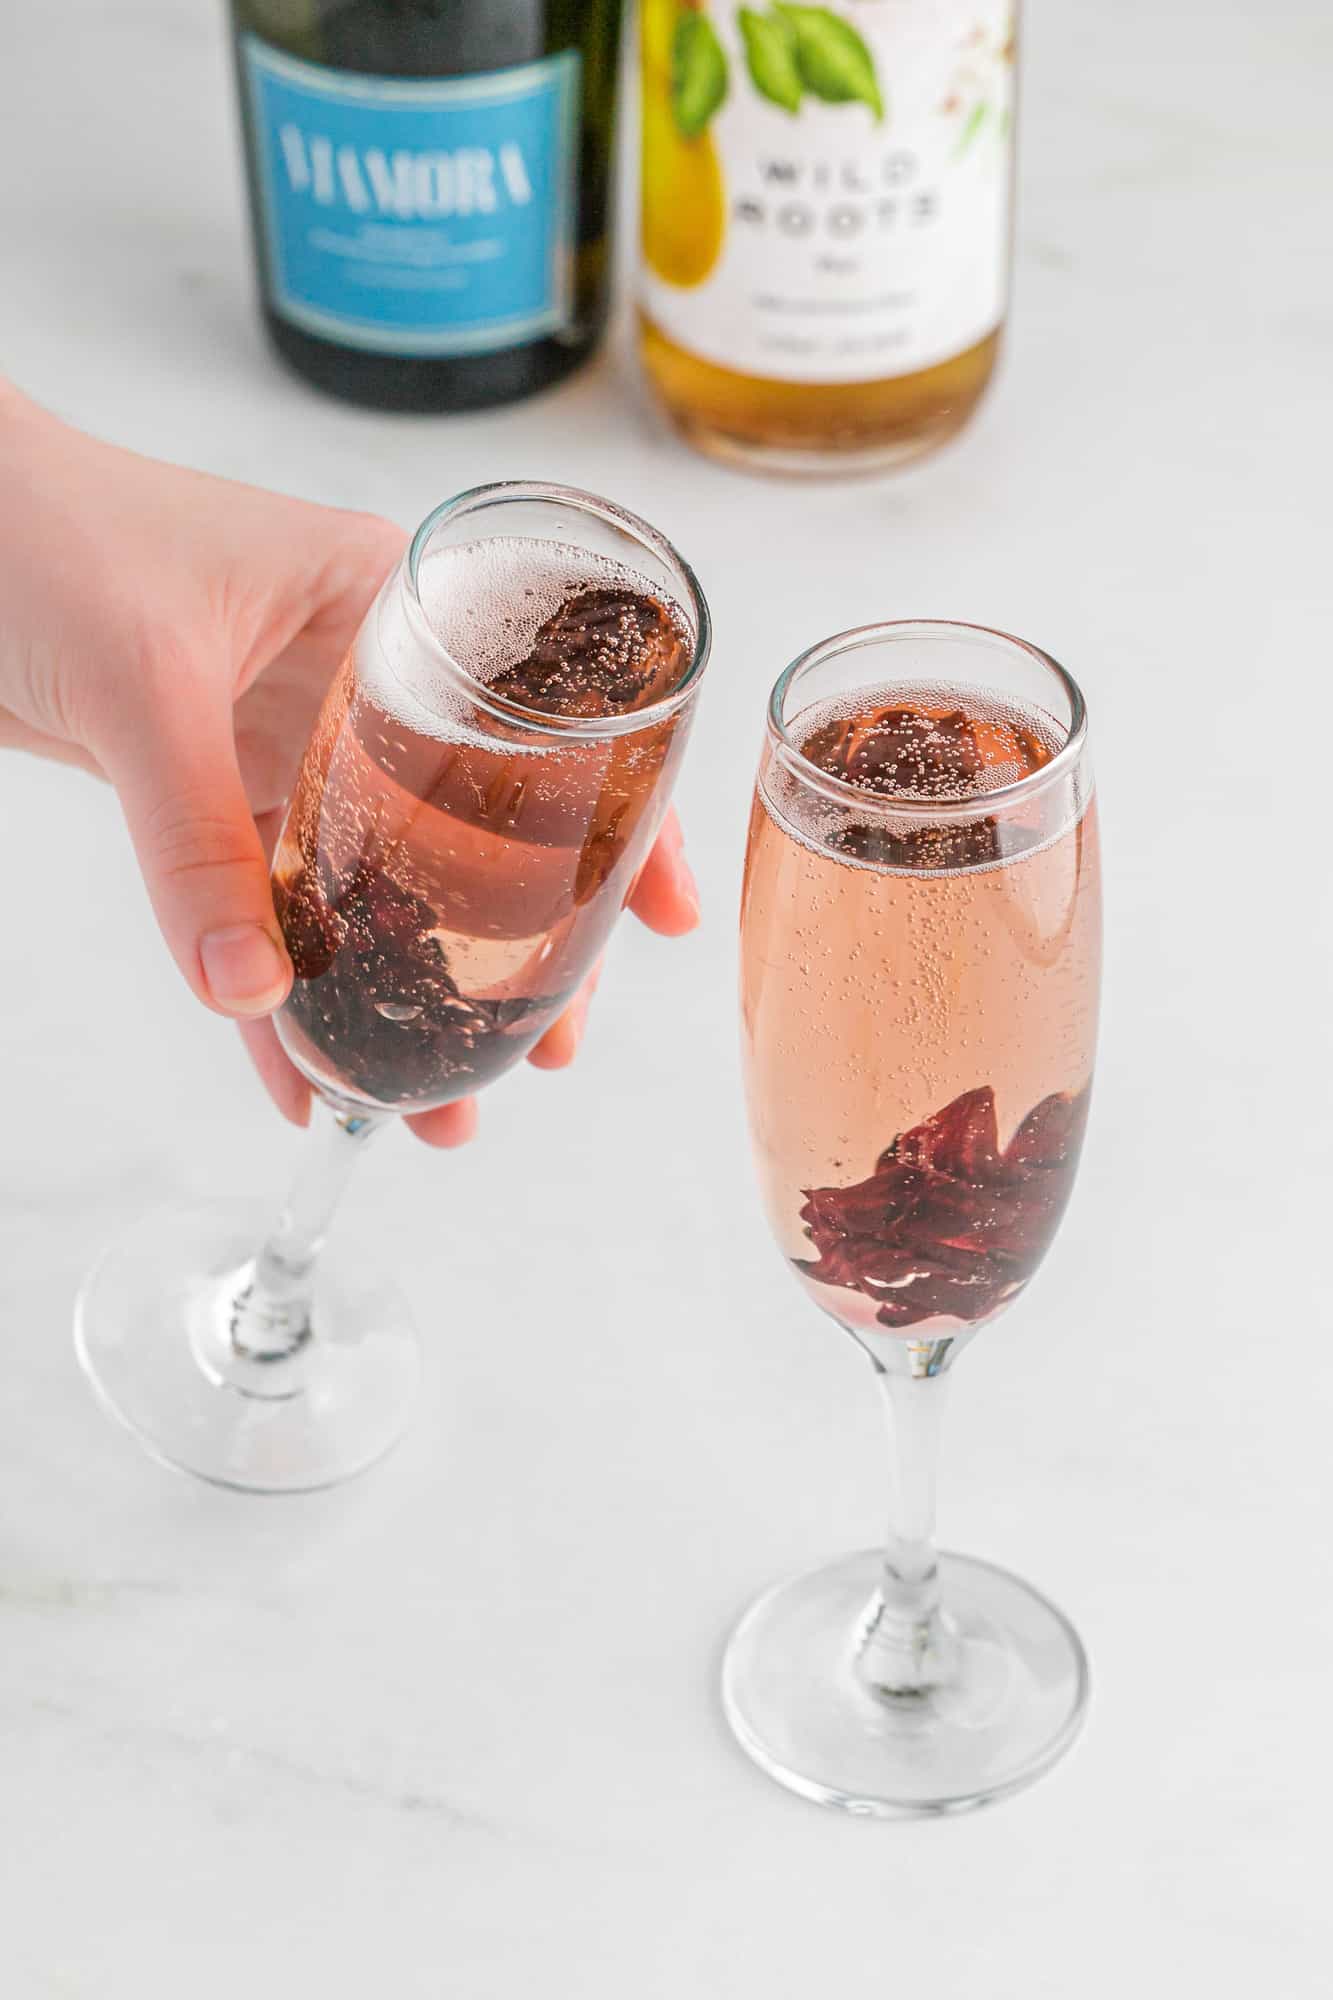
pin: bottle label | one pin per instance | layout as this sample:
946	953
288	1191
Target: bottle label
826	190
413	215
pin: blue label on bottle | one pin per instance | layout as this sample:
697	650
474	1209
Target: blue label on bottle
417	216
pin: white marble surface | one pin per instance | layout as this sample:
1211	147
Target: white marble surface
453	1731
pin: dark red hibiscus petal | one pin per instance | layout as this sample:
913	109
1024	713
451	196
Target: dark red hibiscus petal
1020	1230
962	1139
605	650
839	1264
1051	1134
965	845
828	746
868	1208
900	753
906	754
995	1220
947	1224
946	1232
360	939
314	932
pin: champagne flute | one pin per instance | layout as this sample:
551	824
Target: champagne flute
482	785
920	963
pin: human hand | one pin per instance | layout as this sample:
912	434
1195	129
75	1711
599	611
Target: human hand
175	634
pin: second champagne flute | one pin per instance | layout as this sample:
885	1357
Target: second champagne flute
921	938
482	786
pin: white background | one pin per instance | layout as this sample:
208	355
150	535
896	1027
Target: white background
453	1731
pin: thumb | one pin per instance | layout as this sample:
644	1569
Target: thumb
199	849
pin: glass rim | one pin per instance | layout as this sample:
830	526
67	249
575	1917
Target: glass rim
842	792
575	728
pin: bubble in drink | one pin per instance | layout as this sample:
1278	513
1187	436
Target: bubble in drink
451	864
918	746
916	1172
606	650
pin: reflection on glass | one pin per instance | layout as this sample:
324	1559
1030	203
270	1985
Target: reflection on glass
483	783
920	964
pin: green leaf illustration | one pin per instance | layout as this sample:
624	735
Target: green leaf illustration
833	61
976	118
698	73
770	55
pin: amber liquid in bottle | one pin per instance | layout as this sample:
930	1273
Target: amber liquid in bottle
816	428
826	219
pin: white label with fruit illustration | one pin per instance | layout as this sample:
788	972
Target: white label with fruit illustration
826	189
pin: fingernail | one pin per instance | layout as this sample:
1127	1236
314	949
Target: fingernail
245	971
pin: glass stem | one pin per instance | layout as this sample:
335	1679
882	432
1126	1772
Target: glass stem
906	1646
270	1315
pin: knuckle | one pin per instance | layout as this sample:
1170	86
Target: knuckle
379	544
382	536
187	839
44	694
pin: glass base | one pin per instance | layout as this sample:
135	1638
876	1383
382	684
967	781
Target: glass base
1011	1704
152	1332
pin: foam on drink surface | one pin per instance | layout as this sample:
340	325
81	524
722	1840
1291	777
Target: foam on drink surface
549	627
448	871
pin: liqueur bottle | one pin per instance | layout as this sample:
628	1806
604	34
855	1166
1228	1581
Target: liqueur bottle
429	190
826	198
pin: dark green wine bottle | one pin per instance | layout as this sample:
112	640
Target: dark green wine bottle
430	188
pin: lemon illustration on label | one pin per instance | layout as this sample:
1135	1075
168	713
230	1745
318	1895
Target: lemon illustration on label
685	79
